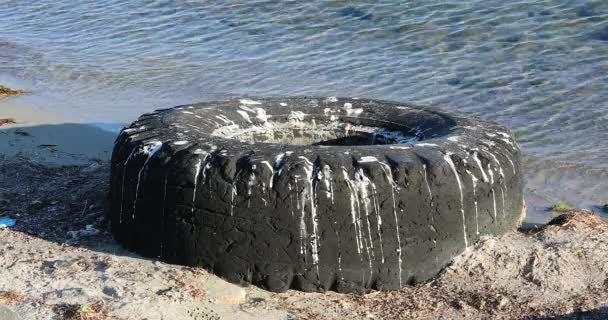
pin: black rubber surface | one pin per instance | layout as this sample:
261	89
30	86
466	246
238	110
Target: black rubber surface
313	193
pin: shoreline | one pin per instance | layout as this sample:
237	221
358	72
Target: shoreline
49	138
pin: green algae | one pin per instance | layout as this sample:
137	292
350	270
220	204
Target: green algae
560	207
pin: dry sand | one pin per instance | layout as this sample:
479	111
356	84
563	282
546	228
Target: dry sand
60	262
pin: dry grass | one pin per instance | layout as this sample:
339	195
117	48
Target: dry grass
11	297
8	92
4	121
96	311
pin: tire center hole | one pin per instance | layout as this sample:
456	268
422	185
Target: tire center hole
316	132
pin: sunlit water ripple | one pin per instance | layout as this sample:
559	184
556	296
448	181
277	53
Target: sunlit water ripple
539	67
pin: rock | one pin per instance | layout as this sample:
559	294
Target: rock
88	231
311	193
111	292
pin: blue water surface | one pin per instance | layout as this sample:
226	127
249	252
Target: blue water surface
539	67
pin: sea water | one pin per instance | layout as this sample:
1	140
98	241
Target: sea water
539	67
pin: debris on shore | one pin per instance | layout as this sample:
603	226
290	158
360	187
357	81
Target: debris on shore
5	121
9	92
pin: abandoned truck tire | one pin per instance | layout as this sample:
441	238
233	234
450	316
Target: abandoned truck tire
313	193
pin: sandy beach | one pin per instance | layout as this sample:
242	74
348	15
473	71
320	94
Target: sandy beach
59	260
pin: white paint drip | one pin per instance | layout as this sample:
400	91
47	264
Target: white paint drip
122	189
483	173
233	194
426	145
354	209
328	182
368	159
278	163
492	190
197	171
249	102
511	162
271	174
355	196
394	187
245	115
354	112
448	159
502	194
251	181
303	228
225	119
129	130
356	220
428	188
507	141
296	116
326	176
261	115
362	183
246	108
474	182
150	149
179	143
311	175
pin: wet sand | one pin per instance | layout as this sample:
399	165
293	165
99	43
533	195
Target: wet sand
60	262
49	139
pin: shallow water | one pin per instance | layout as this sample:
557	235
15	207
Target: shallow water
539	67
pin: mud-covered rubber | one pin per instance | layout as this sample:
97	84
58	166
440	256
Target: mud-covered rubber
312	193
